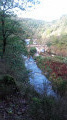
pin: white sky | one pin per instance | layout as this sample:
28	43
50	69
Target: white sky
48	10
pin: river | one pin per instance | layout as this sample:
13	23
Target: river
37	79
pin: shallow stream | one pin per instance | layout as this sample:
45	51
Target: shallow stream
37	79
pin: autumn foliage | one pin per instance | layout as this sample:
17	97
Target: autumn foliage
56	72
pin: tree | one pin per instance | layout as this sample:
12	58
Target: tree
6	7
33	51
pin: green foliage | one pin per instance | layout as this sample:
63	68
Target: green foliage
32	27
14	57
60	85
35	108
15	63
7	85
54	34
33	51
45	108
7	80
9	27
49	44
48	32
60	41
15	47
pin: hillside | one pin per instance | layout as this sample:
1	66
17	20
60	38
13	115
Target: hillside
54	33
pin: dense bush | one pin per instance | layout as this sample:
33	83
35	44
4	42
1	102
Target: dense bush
55	71
47	108
7	85
33	51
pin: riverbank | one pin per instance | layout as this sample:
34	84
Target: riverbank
56	71
27	104
40	83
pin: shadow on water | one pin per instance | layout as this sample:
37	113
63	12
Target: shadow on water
37	79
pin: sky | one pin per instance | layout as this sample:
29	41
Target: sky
47	10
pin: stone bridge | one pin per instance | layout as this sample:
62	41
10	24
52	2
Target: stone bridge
39	48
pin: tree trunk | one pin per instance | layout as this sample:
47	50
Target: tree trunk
3	32
4	45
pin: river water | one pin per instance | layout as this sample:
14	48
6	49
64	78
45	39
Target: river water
37	79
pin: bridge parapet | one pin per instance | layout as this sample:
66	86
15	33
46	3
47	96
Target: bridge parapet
40	48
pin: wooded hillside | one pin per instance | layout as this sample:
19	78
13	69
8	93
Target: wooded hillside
54	33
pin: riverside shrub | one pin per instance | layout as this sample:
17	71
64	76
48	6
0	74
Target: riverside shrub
33	51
